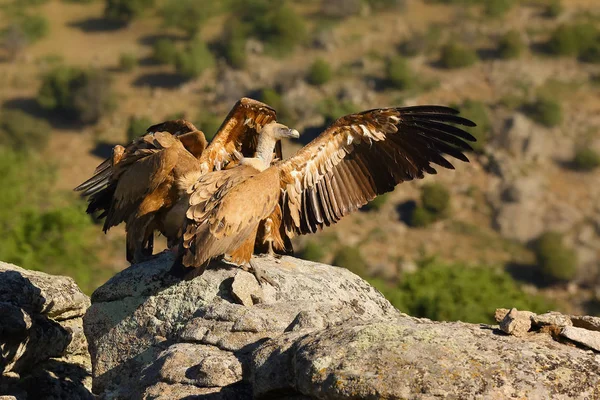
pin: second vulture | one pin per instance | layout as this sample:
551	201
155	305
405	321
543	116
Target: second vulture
145	184
355	159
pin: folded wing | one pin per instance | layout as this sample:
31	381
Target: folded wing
238	134
139	180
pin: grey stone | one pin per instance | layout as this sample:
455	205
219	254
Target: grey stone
141	313
551	319
500	314
44	350
436	360
246	288
582	336
586	322
195	364
58	297
516	323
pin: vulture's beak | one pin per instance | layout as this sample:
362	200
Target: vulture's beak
294	134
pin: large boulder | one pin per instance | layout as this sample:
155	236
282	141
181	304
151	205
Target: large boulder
146	329
43	348
307	331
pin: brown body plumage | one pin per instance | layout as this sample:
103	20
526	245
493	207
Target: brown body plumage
146	183
358	157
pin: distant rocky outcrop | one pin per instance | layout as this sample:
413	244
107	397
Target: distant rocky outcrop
309	331
43	349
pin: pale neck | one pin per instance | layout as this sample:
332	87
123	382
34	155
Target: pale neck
264	149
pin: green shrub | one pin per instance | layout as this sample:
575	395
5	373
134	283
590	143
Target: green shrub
319	72
455	55
127	62
312	251
399	74
385	5
273	98
194	60
478	112
435	205
420	43
510	45
557	262
545	111
421	217
137	127
573	40
497	8
450	292
586	159
79	1
209	124
554	9
33	2
164	51
591	54
188	15
35	27
435	198
37	234
331	108
125	11
377	203
349	257
234	43
21	132
275	23
75	93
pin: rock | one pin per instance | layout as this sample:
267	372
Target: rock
582	336
524	140
516	323
551	319
44	350
140	319
586	322
400	358
519	200
500	314
58	297
246	289
232	84
319	332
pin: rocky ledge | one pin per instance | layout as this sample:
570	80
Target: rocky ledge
43	349
310	331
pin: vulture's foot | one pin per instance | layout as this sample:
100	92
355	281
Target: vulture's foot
260	276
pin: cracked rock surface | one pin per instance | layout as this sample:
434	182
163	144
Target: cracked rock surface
43	348
312	332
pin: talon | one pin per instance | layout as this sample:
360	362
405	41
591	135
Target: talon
260	277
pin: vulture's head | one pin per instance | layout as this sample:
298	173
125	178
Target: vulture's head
279	131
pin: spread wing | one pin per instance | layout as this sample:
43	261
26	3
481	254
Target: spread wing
362	155
238	133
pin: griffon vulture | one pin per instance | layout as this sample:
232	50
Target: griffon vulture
145	184
355	159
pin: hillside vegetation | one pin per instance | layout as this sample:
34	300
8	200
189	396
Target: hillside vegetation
520	222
